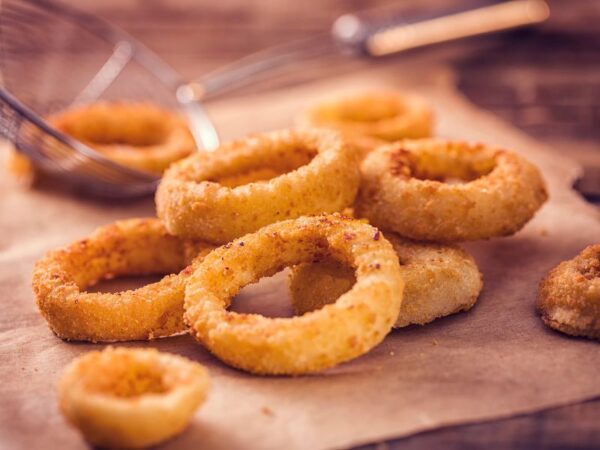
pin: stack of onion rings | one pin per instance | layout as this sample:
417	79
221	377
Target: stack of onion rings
338	332
569	297
268	198
315	172
439	280
404	189
131	398
137	135
129	247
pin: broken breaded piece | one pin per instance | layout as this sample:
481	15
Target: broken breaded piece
569	296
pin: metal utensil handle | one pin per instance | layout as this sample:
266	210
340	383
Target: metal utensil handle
362	34
369	36
252	67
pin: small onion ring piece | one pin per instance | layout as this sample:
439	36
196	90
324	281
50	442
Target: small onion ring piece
131	398
569	297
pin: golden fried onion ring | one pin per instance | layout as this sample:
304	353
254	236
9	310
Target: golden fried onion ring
371	119
439	280
406	188
344	330
137	135
314	172
569	297
131	398
129	247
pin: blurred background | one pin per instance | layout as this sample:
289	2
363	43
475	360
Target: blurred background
544	80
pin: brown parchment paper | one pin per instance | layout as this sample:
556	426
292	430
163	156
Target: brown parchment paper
496	360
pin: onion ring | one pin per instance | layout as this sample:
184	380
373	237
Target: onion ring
131	398
129	247
370	119
404	190
354	324
137	135
569	297
439	280
315	172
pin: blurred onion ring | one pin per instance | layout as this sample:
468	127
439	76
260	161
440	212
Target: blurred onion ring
285	174
569	297
439	280
371	119
131	398
130	247
137	135
341	331
445	191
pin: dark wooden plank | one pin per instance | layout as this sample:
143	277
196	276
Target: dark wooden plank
570	427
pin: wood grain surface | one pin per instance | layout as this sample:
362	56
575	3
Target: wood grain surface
545	81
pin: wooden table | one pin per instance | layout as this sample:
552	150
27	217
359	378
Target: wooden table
545	81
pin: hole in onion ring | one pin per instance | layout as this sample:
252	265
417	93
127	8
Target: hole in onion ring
120	284
127	377
274	298
445	167
268	297
254	171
